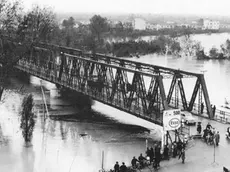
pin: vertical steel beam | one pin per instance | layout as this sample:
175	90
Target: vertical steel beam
162	92
182	93
61	66
119	81
169	97
150	88
176	95
133	90
194	94
200	99
142	91
206	96
153	95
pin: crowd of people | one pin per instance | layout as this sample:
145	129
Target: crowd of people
153	156
210	135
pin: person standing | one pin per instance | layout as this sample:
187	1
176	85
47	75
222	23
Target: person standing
134	162
123	167
151	154
147	152
174	148
214	110
141	160
166	152
217	138
179	147
199	128
182	155
208	127
158	156
116	167
202	108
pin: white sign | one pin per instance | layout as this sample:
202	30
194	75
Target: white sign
171	119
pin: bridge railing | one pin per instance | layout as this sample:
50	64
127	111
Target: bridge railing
220	114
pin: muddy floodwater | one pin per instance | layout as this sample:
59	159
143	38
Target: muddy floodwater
74	145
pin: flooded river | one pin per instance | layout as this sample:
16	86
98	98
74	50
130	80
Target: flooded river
67	146
78	145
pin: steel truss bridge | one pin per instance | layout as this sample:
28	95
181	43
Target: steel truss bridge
133	87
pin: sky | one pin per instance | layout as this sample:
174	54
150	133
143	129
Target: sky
200	7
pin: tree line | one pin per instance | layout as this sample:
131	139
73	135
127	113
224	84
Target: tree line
40	25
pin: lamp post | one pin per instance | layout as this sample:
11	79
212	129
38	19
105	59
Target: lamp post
214	154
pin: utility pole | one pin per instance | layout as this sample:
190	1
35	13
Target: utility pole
214	155
44	100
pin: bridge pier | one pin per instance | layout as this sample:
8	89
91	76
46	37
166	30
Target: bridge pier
21	75
83	102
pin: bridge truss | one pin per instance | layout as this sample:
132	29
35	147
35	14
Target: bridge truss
133	87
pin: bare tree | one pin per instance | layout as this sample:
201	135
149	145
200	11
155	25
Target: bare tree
187	43
225	48
10	13
38	24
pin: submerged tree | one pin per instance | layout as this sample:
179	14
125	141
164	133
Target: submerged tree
225	48
27	118
213	53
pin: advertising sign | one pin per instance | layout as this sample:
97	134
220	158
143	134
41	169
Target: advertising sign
171	119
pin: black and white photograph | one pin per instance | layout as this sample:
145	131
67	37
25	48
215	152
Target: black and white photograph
114	86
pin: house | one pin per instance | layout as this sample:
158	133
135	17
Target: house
211	25
139	24
150	26
225	26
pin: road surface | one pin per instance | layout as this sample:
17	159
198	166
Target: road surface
200	156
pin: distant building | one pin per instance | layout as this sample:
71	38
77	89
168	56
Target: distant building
167	26
211	25
184	25
225	26
139	24
150	26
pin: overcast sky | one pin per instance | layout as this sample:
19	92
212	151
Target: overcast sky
215	7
